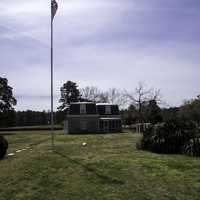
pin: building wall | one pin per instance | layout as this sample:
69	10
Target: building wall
83	124
102	110
88	117
110	125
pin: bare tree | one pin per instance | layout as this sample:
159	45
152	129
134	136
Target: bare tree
92	93
103	97
155	95
141	96
112	95
116	96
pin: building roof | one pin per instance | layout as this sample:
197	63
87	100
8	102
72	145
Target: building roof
98	104
82	102
105	104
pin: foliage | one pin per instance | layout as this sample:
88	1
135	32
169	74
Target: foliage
142	97
31	128
172	137
191	110
7	118
92	94
7	100
112	95
152	112
29	118
130	115
3	147
170	113
192	147
69	93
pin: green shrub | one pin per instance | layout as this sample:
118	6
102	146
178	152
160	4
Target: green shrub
192	148
3	147
172	137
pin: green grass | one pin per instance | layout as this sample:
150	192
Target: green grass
108	168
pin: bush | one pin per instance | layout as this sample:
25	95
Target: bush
192	148
172	137
3	147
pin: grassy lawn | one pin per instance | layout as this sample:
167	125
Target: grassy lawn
109	167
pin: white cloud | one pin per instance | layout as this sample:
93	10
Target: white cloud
107	43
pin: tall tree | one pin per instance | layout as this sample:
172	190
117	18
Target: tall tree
112	95
129	115
141	97
116	96
92	93
7	100
191	110
69	93
152	112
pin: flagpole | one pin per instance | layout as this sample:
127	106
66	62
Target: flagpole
52	118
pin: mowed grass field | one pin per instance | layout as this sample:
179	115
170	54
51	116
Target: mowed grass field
109	167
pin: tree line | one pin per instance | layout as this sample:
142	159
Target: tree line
140	105
14	118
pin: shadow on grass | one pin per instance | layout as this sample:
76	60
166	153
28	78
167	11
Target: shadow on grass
40	142
105	179
32	145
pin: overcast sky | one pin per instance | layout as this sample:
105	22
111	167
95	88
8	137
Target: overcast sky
104	43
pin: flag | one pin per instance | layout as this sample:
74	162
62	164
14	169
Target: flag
54	7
